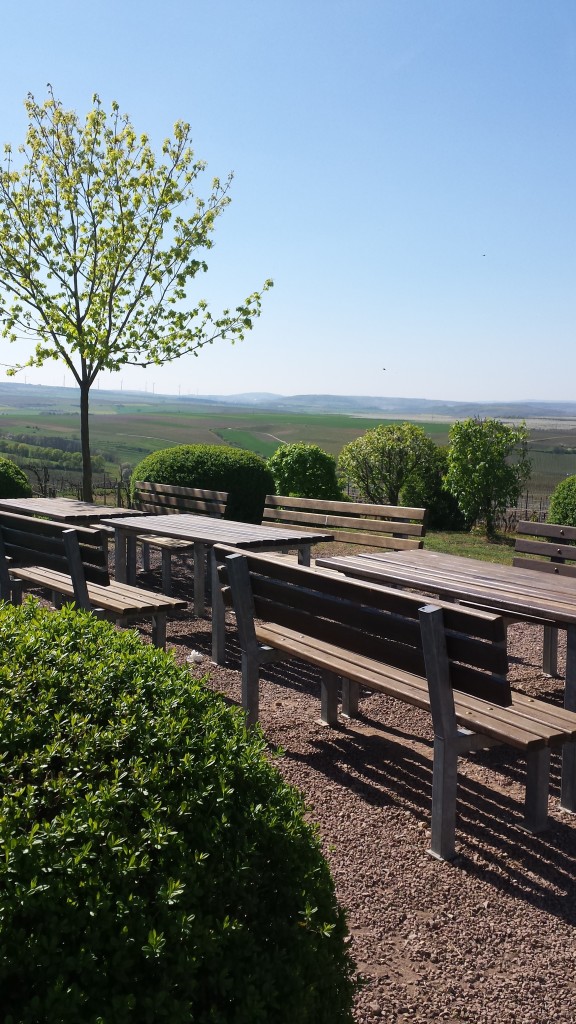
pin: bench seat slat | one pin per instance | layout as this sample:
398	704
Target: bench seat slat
117	597
72	562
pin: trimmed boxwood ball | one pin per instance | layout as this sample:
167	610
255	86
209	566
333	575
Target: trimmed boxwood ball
563	503
13	480
155	866
216	467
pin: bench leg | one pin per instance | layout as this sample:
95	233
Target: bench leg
568	785
550	653
350	692
329	698
444	786
537	786
159	630
250	688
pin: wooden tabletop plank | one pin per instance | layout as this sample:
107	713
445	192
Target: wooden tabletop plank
205	529
67	510
506	588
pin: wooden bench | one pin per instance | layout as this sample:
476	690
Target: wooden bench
71	563
159	499
443	658
549	548
376	526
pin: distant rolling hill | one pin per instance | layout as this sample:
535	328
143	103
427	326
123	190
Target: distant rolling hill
16	395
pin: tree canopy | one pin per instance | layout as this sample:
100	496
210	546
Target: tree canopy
385	459
488	466
305	471
98	247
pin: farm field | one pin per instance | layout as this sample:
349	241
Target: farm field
124	431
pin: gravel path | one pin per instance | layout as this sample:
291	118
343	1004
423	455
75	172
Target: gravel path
486	940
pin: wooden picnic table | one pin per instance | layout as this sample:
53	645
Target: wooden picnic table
64	510
204	532
522	593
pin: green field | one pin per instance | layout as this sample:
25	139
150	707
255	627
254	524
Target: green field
125	431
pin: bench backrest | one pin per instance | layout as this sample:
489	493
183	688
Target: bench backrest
380	526
156	499
548	547
369	621
27	541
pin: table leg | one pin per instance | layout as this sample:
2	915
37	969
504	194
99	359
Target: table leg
304	554
218	615
120	554
131	559
568	786
199	578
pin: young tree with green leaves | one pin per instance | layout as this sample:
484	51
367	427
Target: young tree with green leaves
488	466
383	460
98	247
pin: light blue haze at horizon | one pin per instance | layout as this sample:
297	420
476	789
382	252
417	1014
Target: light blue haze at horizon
404	171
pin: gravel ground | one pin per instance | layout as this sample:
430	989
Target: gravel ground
486	940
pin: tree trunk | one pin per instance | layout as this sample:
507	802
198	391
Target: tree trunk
85	439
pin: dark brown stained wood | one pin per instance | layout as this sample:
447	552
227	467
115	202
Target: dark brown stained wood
552	568
551	545
63	510
335	612
158	499
503	588
378	526
330	521
28	541
554	530
346	507
544	548
72	563
486	626
287	612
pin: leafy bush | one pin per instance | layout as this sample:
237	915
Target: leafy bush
563	503
426	490
215	467
488	466
155	866
305	471
384	460
13	481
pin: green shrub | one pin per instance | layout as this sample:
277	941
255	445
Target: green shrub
384	460
13	481
305	471
426	489
155	866
563	503
215	467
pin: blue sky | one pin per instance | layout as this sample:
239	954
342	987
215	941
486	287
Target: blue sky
404	171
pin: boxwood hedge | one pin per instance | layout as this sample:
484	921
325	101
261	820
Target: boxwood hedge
216	467
155	867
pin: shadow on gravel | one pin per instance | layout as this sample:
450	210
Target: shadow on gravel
493	845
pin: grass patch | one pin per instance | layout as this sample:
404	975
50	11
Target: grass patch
472	545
